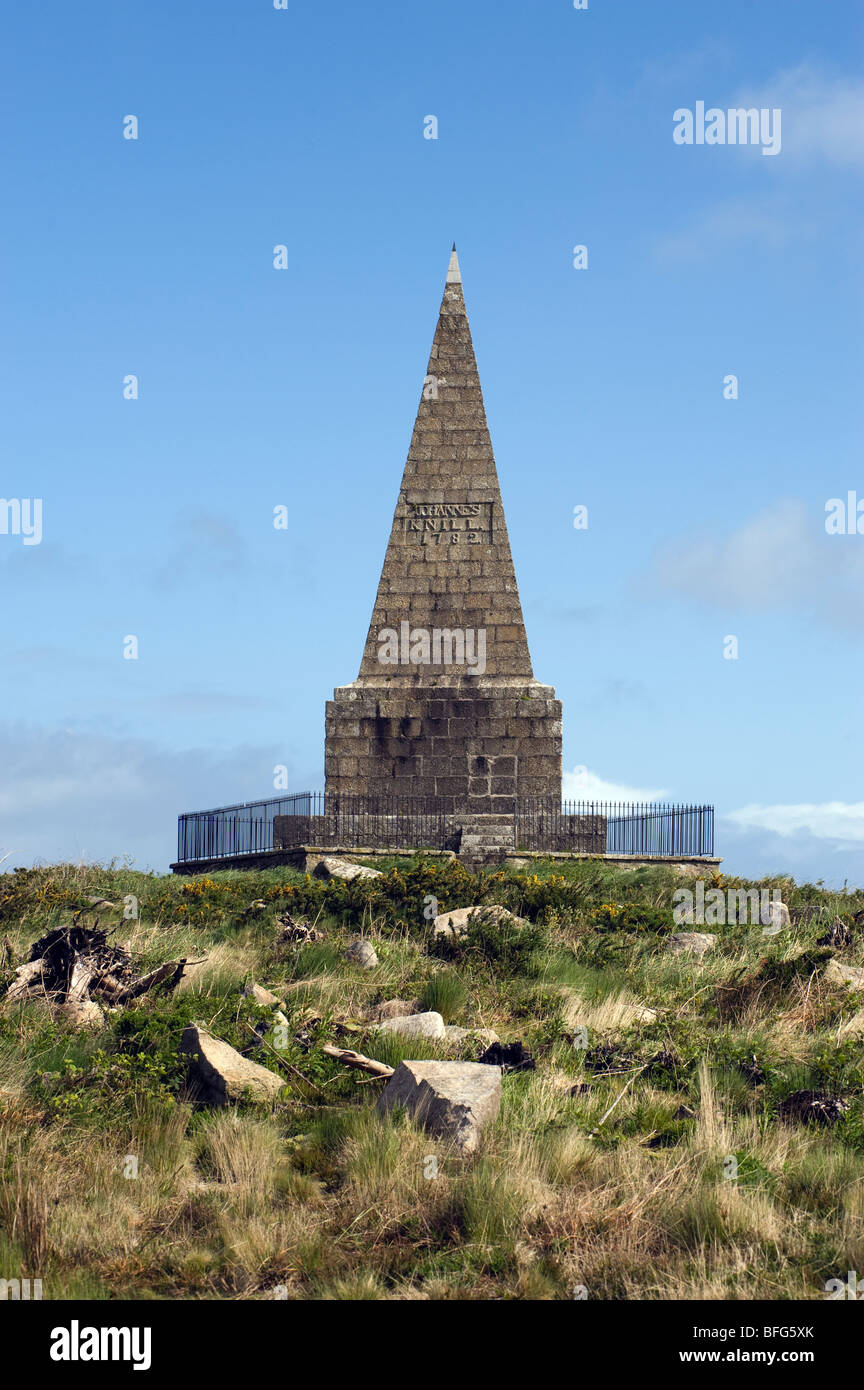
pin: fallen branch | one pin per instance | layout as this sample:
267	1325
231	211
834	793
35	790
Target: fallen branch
356	1059
636	1073
171	971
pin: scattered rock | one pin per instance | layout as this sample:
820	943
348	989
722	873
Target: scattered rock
838	973
638	1013
428	1025
455	923
458	1035
222	1074
509	1057
454	1100
778	916
263	996
818	1106
396	1008
331	867
361	952
694	943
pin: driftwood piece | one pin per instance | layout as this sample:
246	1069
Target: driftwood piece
78	1007
28	980
356	1059
170	974
75	966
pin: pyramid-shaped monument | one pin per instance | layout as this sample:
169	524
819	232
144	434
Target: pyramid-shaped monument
446	704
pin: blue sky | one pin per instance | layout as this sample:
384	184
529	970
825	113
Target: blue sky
261	387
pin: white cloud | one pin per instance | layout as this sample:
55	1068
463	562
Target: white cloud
583	785
826	820
751	851
823	117
71	795
780	560
768	219
822	128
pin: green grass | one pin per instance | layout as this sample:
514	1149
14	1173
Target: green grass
319	1195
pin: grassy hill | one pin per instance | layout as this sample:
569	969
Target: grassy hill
694	1185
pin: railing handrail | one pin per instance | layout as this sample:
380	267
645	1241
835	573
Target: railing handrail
246	805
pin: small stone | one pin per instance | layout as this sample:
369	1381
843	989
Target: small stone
455	923
637	1013
222	1074
459	1035
362	953
778	916
329	866
454	1100
428	1025
263	997
838	973
694	943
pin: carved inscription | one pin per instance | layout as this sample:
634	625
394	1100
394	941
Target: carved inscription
449	523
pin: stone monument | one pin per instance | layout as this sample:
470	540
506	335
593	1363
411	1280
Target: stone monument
446	705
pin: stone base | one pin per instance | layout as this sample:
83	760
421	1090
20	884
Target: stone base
305	857
474	746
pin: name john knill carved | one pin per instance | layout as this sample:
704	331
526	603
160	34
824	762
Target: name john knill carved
449	523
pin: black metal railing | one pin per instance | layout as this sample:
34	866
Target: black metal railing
229	831
646	829
398	822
